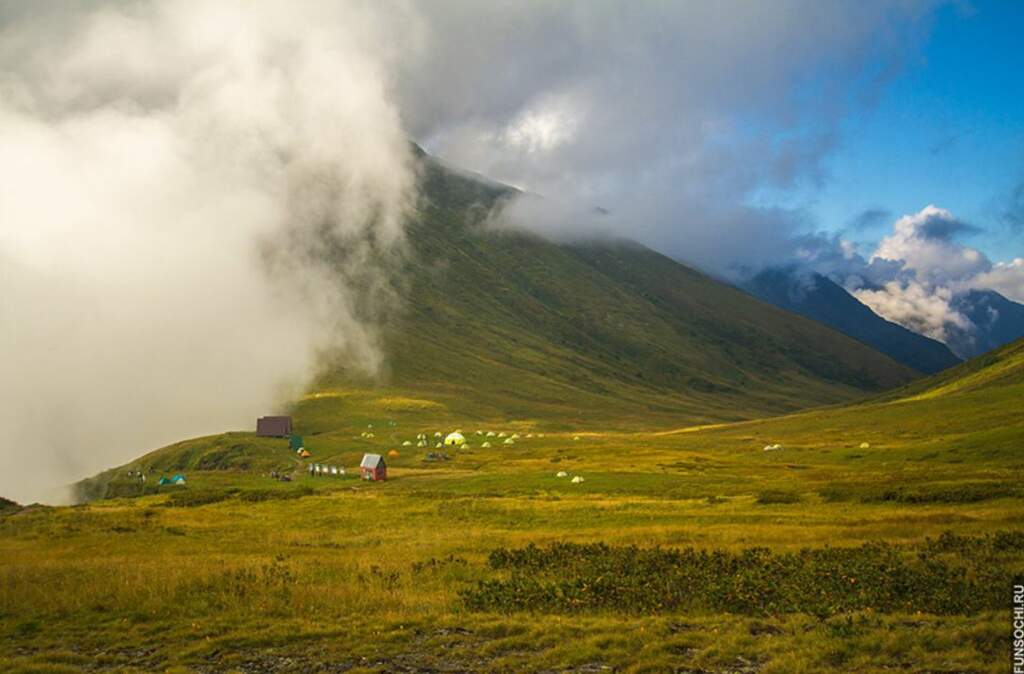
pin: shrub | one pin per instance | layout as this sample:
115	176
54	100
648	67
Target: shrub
962	493
952	575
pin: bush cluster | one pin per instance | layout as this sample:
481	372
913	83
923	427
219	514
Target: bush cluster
953	575
963	493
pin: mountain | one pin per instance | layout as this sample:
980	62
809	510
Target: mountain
996	321
506	324
819	298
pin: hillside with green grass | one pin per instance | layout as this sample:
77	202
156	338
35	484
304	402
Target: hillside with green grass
592	502
874	536
501	324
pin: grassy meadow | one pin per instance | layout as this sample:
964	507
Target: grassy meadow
240	572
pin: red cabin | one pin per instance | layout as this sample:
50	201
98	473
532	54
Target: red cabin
373	467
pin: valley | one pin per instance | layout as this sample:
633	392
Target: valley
241	572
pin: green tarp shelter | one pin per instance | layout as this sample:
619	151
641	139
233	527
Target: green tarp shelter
295	442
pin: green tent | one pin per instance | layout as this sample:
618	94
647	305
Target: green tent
295	442
164	480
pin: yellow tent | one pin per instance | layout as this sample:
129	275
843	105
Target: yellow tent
454	439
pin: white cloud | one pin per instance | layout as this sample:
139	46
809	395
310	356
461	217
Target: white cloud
190	196
671	116
923	243
1006	278
915	274
917	307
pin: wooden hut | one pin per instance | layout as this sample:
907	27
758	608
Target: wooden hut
373	467
274	427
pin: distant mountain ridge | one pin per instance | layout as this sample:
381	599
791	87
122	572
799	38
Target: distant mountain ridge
819	298
996	320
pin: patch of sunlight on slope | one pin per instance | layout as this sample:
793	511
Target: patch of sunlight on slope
693	429
1008	363
399	403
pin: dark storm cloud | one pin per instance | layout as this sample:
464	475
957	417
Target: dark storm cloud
870	218
945	230
676	117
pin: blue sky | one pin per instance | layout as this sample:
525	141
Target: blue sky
948	130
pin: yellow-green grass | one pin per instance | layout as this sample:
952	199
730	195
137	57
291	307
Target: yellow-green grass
366	576
330	577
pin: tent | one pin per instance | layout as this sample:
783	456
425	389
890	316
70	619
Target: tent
454	439
164	480
393	453
304	453
577	479
407	443
295	442
486	445
561	473
178	479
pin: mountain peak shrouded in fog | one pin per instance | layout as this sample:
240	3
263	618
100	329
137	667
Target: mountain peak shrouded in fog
180	177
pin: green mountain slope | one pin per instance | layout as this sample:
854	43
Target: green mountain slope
506	327
967	414
504	324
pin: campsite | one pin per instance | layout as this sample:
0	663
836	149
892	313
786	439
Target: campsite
254	573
